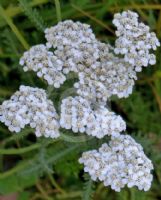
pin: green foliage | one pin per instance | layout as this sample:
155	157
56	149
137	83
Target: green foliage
49	169
33	15
17	182
24	196
88	189
137	107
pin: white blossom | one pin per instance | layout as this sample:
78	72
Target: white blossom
39	59
117	75
103	71
112	76
30	106
77	114
92	90
74	43
104	123
69	33
134	40
119	163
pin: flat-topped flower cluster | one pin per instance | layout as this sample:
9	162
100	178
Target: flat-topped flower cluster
103	71
119	163
77	114
30	106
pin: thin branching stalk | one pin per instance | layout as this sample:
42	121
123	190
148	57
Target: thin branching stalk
93	18
49	161
43	192
54	183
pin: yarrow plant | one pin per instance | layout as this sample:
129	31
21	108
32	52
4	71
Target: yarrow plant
103	71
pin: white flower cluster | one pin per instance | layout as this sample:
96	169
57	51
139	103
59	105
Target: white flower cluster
114	77
69	33
119	163
103	71
114	73
45	63
118	77
101	74
30	106
75	45
92	90
134	40
77	114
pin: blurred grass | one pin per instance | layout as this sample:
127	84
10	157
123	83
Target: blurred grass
33	174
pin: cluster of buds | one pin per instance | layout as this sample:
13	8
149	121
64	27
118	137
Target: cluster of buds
103	71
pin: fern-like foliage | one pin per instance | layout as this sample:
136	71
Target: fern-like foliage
9	41
88	190
33	15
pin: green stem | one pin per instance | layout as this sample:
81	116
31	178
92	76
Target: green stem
67	138
49	161
70	195
75	139
25	149
20	150
54	183
58	10
132	194
9	56
21	135
43	192
93	18
13	170
14	28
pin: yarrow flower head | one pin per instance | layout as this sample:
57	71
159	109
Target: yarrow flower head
134	40
113	77
30	106
119	163
110	76
114	73
77	114
75	45
104	123
92	90
45	63
69	33
101	73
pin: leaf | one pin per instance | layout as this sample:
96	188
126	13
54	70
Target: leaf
27	172
88	189
17	182
14	28
24	196
33	15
